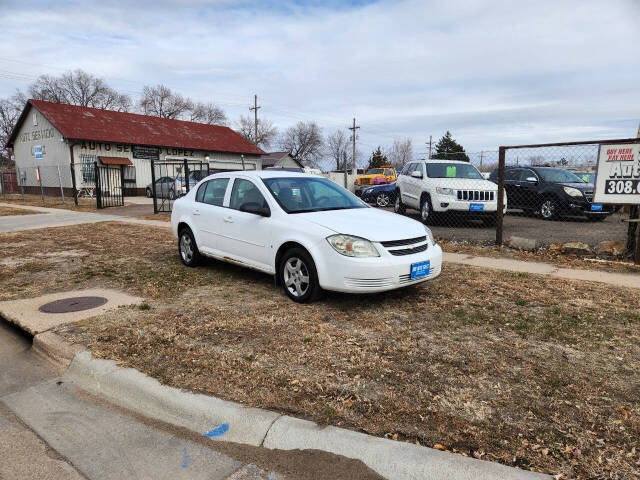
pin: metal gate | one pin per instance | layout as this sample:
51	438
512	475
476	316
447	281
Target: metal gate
172	179
109	186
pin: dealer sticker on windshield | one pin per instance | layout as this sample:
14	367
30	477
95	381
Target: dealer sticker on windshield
420	269
476	207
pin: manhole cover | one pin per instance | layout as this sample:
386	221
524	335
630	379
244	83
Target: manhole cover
73	304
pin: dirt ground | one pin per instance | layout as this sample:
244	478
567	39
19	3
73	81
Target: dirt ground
516	368
8	211
84	204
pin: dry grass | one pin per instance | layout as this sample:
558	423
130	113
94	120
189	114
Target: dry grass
163	217
84	204
516	368
8	211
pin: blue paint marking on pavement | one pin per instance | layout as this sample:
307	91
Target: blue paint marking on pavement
218	431
185	458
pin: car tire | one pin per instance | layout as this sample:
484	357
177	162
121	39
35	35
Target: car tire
383	199
549	208
297	275
188	249
149	193
172	194
398	206
427	214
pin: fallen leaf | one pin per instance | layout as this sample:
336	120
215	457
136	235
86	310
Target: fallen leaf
438	446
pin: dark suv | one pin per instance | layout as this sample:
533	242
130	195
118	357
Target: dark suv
551	192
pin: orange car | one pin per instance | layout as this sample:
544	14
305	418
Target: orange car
375	176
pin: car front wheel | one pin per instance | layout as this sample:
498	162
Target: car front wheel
189	253
383	199
298	276
549	209
398	206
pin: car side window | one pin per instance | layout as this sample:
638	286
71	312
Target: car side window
420	167
214	193
244	192
512	174
526	173
200	192
408	168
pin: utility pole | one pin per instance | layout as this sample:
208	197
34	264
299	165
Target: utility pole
430	139
481	152
353	138
255	116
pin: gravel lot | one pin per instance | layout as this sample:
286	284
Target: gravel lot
572	229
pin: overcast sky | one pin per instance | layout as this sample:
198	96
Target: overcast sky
492	72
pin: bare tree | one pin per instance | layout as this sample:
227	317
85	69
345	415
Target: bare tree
208	113
337	147
267	131
304	142
10	109
79	88
401	152
160	101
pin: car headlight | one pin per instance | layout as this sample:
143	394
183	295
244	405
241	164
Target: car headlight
350	246
572	192
367	190
429	233
444	191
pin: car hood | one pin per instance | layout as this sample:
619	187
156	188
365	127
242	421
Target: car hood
370	223
465	184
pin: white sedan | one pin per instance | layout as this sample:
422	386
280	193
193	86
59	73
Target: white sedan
307	231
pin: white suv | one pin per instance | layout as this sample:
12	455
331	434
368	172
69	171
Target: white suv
435	187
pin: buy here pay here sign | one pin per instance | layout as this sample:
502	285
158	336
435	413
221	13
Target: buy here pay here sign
618	174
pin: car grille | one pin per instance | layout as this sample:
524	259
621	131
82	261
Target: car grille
409	251
476	195
399	243
368	282
365	181
588	196
404	279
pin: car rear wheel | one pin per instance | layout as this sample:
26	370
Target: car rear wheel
189	253
549	209
383	199
149	193
298	276
399	207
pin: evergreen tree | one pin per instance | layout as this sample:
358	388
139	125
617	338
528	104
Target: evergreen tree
448	149
377	159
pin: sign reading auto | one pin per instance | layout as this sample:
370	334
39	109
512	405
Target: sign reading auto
618	174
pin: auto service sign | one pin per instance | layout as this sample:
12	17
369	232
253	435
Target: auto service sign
618	174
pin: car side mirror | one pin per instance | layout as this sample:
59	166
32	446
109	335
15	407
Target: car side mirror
416	174
532	179
256	209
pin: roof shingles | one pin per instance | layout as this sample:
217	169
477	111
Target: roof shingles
84	123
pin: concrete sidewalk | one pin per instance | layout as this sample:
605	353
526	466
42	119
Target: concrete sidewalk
628	280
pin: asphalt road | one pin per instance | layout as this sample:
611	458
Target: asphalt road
51	429
573	229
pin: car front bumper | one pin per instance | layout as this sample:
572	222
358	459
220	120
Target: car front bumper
369	275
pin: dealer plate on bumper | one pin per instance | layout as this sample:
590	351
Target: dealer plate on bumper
596	207
476	207
420	269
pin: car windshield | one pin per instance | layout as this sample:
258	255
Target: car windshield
453	170
375	171
310	194
587	177
558	175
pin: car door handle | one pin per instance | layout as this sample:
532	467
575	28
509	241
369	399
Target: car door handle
196	212
228	219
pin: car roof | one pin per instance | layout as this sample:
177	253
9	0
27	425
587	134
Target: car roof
442	160
264	174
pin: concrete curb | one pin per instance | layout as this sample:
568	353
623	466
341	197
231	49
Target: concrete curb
56	349
229	421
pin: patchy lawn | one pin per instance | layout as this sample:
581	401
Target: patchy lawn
84	204
515	368
8	211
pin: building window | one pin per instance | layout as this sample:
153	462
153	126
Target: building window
35	119
87	169
130	176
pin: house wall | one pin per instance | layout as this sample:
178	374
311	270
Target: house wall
55	152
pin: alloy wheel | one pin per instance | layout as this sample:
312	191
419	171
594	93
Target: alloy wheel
383	199
296	276
425	210
547	209
186	248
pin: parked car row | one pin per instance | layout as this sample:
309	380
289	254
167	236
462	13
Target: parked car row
308	232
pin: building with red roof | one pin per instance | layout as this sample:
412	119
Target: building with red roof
72	139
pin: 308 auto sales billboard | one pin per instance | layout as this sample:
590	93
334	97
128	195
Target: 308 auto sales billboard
618	174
